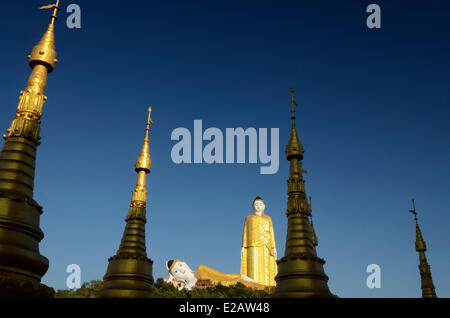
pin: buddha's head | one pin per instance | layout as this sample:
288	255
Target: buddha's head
179	270
258	205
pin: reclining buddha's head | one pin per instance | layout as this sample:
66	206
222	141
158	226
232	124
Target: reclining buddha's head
179	270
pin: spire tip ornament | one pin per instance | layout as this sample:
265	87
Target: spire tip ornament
294	149
55	8
149	120
44	52
427	286
293	103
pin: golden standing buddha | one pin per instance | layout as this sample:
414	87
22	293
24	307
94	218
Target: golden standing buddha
259	254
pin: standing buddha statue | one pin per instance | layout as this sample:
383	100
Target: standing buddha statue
259	253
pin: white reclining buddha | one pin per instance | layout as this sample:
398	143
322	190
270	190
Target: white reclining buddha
179	271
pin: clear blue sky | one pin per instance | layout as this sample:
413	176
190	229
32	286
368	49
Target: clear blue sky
373	119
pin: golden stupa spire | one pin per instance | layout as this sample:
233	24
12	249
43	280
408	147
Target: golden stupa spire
129	272
21	264
428	290
143	166
300	271
294	147
42	60
293	103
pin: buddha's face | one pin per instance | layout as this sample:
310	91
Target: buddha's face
181	271
259	206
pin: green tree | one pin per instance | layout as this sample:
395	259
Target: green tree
167	290
84	291
238	290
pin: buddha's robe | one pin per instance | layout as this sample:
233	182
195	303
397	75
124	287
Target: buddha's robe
259	260
208	273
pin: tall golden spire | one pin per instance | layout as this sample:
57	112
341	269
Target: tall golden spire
300	271
428	290
21	265
129	272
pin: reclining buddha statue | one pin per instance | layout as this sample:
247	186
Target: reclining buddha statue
179	271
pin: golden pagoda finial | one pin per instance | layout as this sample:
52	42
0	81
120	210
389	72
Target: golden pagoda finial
294	147
428	290
31	101
420	243
149	120
293	103
142	167
144	162
55	8
413	211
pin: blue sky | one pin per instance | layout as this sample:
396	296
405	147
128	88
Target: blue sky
373	119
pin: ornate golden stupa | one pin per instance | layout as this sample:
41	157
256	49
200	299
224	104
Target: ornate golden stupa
300	271
424	269
129	273
21	264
